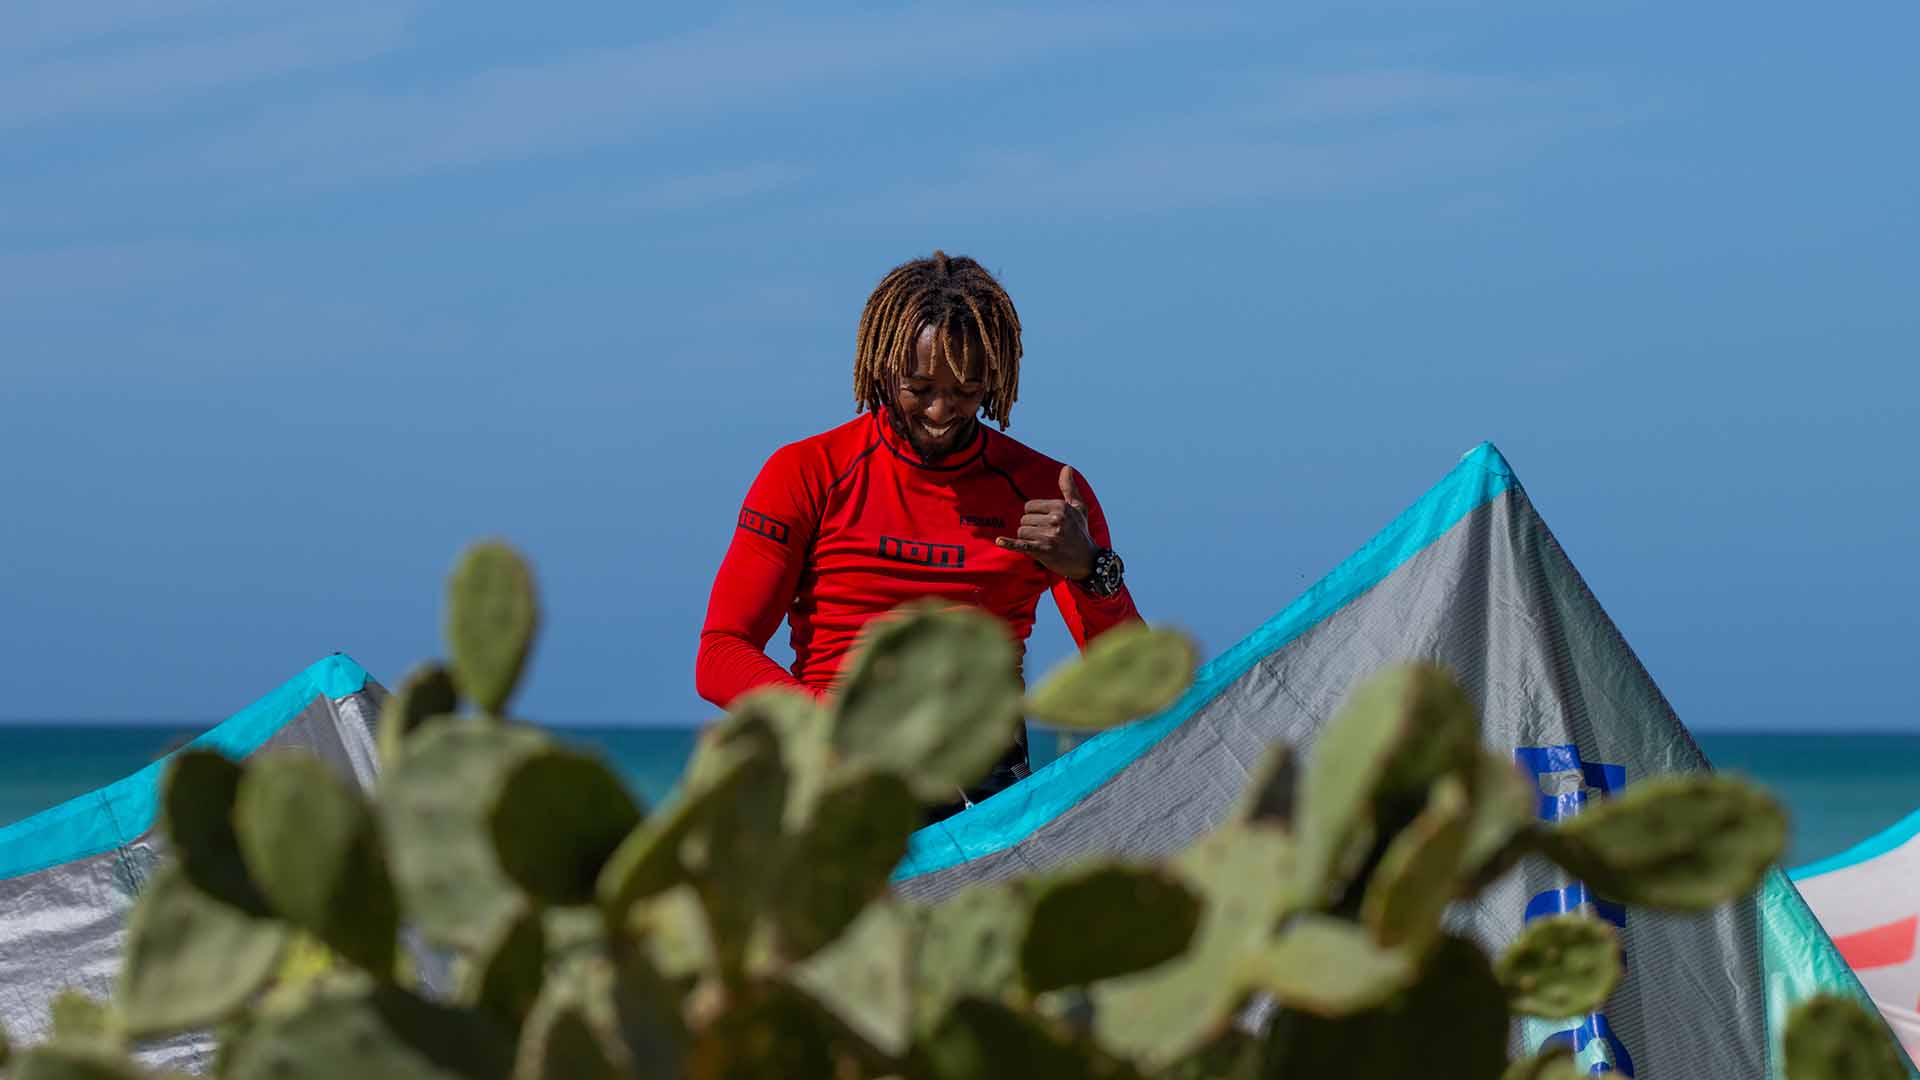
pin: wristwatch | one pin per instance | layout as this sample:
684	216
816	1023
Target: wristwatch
1107	571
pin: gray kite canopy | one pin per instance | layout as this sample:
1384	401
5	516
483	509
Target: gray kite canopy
1470	577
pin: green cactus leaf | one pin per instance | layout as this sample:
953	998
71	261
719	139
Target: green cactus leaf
671	929
1104	920
981	1037
434	808
1232	1056
1420	870
866	977
853	839
931	695
1504	804
1456	1004
1170	1012
1271	791
556	819
1835	1038
504	979
969	947
1128	672
796	722
599	1016
1553	1063
197	810
312	845
1396	734
1565	965
1681	843
492	614
426	692
776	1031
1328	967
191	960
380	1033
57	1061
76	1017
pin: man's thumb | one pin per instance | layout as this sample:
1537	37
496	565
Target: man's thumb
1068	490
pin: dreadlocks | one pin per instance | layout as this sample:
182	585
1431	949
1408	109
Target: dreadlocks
957	297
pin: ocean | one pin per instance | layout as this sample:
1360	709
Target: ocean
1838	789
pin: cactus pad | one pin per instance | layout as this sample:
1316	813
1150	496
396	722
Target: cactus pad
492	613
1105	920
312	846
597	1017
853	839
979	1037
1395	734
1270	792
969	947
1565	965
76	1017
1172	1011
52	1061
1420	871
931	695
373	1035
433	806
197	798
1835	1038
504	979
866	977
1503	807
1328	967
556	819
1553	1063
1682	843
1128	672
191	960
426	692
1456	1004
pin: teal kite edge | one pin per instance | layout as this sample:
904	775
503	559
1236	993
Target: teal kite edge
999	822
105	818
1871	848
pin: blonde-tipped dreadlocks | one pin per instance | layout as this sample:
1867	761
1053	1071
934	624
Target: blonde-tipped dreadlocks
955	296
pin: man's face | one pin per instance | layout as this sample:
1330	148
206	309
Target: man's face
935	407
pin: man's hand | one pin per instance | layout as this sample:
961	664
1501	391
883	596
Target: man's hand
1054	532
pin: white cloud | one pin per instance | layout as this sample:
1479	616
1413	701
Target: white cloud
186	57
608	96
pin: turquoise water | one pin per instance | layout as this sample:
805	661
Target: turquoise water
1840	789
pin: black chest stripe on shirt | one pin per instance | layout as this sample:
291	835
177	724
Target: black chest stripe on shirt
760	524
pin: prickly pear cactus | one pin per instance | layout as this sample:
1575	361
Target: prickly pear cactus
1397	733
1834	1038
1328	967
79	1018
1565	965
979	1037
191	960
504	979
1420	871
311	844
434	807
1270	792
426	692
930	695
840	862
1105	920
969	946
371	1035
557	817
1126	673
84	1061
492	613
1682	843
197	799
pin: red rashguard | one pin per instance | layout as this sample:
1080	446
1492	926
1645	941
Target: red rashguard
851	523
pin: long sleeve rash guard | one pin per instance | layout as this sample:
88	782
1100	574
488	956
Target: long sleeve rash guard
849	524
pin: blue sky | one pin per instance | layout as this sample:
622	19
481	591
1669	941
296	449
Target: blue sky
295	299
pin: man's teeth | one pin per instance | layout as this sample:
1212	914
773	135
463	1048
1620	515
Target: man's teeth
936	432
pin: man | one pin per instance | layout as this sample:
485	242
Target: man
912	499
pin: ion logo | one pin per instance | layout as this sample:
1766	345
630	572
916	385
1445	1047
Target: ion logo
938	556
756	522
1566	784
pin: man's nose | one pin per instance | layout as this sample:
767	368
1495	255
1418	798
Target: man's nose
939	410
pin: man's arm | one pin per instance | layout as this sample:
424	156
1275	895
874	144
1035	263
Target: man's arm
755	585
1088	616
